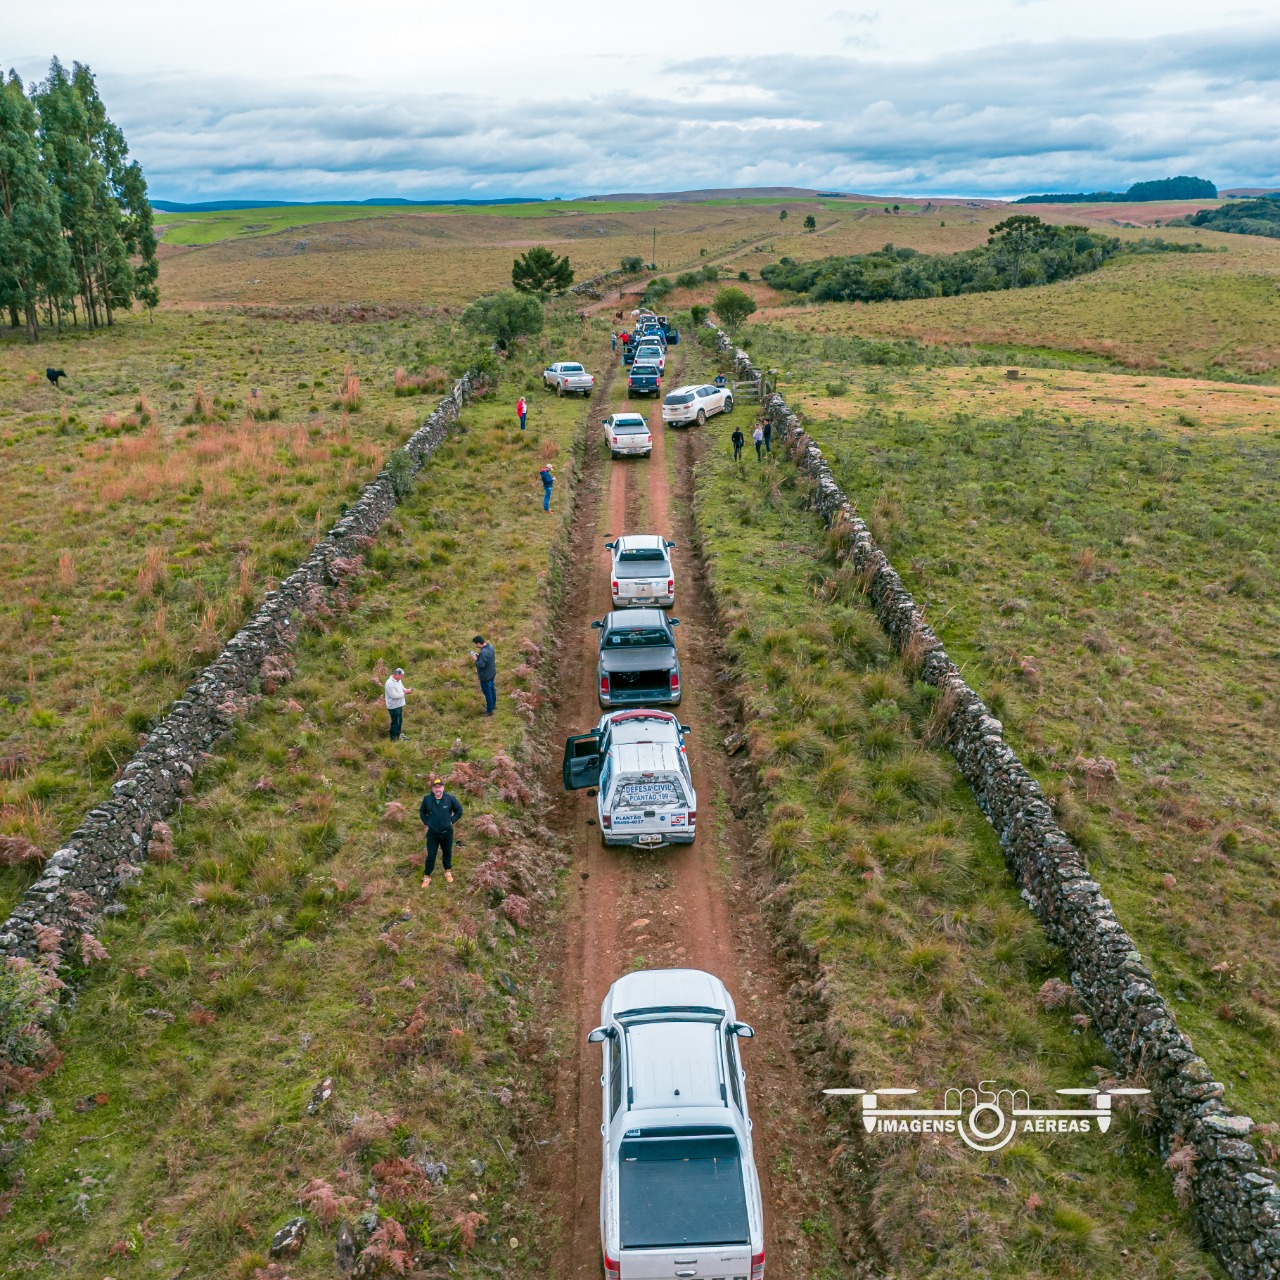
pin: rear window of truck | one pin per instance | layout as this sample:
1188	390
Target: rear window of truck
686	398
638	638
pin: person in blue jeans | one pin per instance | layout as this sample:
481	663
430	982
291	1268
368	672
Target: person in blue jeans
486	672
548	476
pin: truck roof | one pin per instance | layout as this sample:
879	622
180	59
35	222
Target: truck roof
644	726
646	757
675	1064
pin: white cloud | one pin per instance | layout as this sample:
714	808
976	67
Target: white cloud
1009	117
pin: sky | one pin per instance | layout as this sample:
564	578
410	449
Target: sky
284	100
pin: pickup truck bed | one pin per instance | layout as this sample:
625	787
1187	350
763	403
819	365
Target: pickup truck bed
676	1192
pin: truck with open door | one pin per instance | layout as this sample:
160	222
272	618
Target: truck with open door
637	762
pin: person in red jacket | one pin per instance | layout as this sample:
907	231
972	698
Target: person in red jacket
522	408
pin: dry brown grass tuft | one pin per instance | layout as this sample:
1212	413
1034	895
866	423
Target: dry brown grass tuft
66	570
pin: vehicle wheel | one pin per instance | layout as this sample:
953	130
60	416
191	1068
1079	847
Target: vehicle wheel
702	417
559	388
728	404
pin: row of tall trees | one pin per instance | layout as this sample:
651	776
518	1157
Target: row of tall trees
76	237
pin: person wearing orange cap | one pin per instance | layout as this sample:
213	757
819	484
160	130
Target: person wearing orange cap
439	811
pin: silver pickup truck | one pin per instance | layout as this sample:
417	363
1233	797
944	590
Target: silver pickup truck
567	376
679	1194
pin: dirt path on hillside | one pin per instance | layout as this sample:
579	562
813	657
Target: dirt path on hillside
691	906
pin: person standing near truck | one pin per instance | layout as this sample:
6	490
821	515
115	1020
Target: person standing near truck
439	811
522	409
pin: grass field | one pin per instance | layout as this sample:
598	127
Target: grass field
1210	315
930	962
141	527
1099	553
287	940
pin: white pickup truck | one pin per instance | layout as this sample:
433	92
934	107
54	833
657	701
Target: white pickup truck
679	1194
637	762
642	571
566	377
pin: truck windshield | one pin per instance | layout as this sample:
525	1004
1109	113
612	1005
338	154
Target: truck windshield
681	1191
638	638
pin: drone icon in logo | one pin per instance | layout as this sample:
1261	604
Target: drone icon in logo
986	1118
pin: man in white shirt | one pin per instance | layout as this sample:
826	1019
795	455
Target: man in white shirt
395	692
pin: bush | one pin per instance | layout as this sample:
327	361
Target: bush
744	275
633	265
710	273
506	316
402	474
733	306
839	388
698	313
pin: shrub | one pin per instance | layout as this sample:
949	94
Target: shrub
838	388
733	306
917	775
698	313
632	265
402	474
506	316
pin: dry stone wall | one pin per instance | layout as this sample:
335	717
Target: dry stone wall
1235	1198
80	880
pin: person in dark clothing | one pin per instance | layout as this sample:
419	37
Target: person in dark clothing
439	812
738	441
548	477
486	672
768	435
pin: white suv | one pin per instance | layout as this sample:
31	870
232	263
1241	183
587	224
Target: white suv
696	403
679	1194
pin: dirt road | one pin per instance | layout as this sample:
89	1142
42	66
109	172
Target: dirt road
690	906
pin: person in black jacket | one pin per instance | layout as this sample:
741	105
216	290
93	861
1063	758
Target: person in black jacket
486	672
439	812
738	441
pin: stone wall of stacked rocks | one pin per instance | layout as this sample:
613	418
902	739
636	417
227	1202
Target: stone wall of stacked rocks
1235	1198
80	880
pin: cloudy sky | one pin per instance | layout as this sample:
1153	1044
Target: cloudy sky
279	99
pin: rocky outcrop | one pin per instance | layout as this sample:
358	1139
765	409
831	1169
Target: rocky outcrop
81	879
1235	1198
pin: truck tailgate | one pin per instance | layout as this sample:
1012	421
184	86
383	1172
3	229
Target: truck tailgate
730	1263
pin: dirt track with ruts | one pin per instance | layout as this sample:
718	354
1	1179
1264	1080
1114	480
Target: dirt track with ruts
685	906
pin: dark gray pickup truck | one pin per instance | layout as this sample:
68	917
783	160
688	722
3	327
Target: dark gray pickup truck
638	664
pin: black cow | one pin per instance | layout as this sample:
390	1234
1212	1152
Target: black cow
53	375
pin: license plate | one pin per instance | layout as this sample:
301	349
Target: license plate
649	839
643	599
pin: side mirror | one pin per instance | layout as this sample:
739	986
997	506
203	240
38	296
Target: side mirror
684	728
604	422
741	1030
598	1036
595	626
611	545
671	546
675	622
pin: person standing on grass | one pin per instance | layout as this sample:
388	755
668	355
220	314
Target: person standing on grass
757	437
522	409
393	692
738	441
548	477
613	339
486	672
439	811
768	435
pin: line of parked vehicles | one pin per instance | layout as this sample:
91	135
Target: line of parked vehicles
679	1192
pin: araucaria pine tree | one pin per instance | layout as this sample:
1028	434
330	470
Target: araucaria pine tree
76	227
